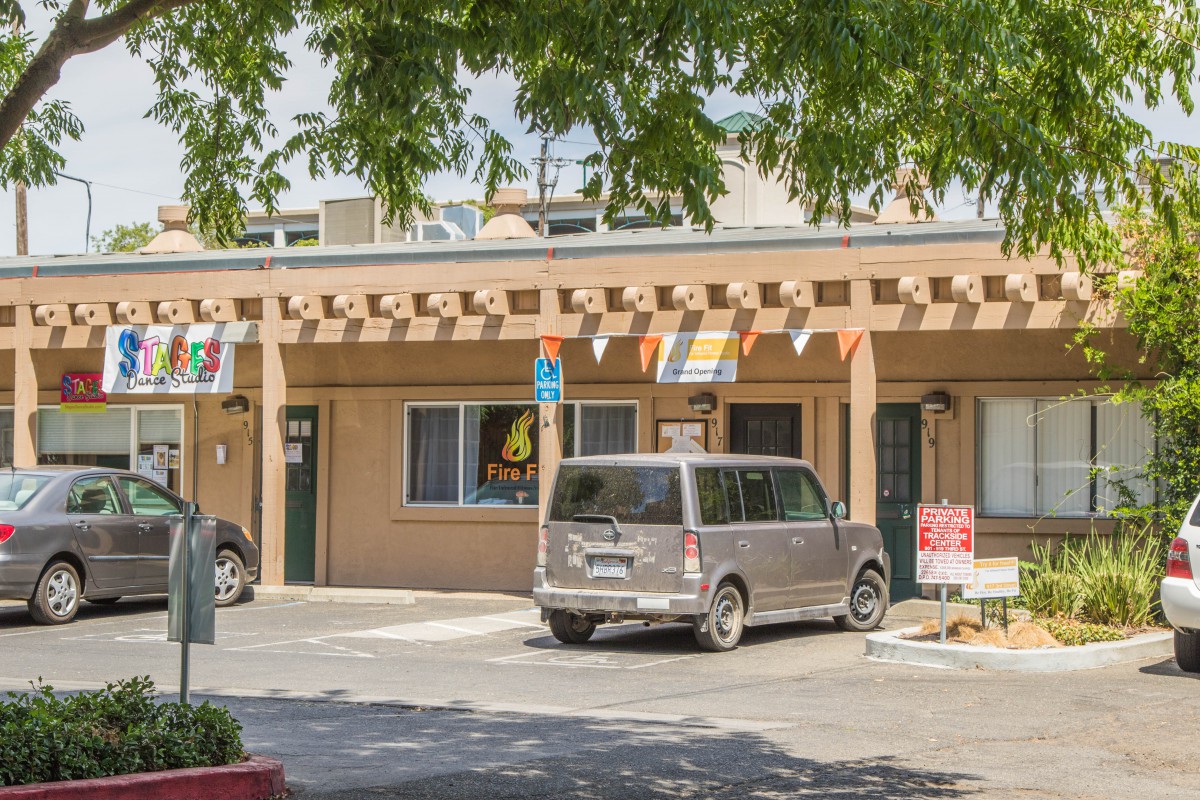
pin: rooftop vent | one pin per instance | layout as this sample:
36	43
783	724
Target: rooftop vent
175	236
508	222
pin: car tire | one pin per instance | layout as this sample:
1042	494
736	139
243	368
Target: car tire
571	628
231	578
868	603
721	628
103	601
55	599
1187	651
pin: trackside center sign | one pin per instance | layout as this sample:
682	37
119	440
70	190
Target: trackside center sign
945	544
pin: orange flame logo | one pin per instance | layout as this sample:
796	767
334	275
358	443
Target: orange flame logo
517	446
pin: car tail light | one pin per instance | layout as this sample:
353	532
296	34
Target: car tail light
1179	561
691	552
543	545
6	532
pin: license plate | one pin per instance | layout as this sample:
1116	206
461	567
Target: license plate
605	567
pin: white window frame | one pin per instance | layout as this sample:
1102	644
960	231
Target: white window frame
461	406
1093	401
578	406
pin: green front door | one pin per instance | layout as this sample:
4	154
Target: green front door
300	454
898	490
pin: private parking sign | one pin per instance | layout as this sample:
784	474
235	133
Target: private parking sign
547	380
945	544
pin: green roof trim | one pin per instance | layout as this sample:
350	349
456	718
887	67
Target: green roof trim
741	121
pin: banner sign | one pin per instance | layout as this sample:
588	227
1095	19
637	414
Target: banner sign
698	358
81	392
165	359
994	577
945	544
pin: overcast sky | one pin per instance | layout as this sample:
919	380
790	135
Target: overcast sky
133	163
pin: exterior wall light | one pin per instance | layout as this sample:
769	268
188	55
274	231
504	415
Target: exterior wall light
702	402
235	404
938	401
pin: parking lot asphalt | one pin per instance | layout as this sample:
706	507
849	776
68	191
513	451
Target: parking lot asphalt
469	696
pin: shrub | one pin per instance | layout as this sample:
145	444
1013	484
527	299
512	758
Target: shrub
1118	578
1049	589
1074	632
1109	580
115	731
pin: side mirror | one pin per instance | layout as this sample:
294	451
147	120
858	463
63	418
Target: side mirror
838	509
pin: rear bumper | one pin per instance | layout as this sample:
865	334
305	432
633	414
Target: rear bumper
1181	603
19	573
689	601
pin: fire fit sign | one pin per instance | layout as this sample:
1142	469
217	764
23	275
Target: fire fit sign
945	544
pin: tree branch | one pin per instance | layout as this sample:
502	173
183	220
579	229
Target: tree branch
71	35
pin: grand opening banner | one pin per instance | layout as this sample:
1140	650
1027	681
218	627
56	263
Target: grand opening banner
698	358
165	359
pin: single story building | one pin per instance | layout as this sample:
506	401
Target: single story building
382	428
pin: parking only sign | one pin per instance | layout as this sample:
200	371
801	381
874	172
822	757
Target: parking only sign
547	380
945	544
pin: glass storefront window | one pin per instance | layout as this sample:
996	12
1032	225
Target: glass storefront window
486	454
145	440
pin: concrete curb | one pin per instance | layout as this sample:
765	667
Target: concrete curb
888	646
333	594
257	778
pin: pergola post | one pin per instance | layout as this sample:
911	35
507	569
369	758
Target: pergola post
274	432
25	391
863	467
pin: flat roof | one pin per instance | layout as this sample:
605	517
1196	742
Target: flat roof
608	244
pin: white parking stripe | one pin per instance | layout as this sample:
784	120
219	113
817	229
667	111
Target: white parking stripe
450	629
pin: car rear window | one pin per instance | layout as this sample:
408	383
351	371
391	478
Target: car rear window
16	489
1195	520
636	495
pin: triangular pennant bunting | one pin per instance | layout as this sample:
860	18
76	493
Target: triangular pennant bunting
848	342
551	343
647	345
598	345
799	339
748	340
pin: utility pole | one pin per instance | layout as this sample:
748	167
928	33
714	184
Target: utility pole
542	186
22	221
22	198
545	185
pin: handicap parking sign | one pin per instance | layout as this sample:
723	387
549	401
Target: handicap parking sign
547	380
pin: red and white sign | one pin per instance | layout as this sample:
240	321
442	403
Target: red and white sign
945	544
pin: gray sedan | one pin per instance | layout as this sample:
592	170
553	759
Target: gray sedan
72	533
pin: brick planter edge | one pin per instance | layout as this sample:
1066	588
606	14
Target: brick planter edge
257	778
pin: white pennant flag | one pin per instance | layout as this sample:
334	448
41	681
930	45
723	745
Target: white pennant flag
598	345
799	339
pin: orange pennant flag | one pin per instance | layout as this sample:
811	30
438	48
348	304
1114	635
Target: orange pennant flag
848	342
552	343
647	345
748	340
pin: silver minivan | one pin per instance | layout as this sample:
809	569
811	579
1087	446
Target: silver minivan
717	541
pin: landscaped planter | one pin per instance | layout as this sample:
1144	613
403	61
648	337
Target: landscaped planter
257	778
891	646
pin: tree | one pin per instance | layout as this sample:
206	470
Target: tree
124	238
1023	101
1163	313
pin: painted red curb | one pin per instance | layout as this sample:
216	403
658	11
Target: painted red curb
257	778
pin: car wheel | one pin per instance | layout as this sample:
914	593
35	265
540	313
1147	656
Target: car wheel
56	598
102	601
721	628
868	603
1187	651
231	578
571	628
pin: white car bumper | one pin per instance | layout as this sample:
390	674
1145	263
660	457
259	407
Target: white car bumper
1181	603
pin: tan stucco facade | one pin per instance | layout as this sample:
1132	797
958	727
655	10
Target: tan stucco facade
413	335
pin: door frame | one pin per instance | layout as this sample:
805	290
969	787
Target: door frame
884	519
310	412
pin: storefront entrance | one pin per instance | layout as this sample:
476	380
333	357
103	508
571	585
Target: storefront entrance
300	453
898	490
765	429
